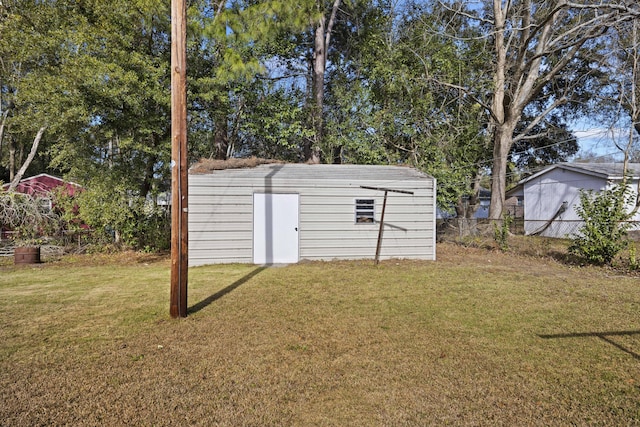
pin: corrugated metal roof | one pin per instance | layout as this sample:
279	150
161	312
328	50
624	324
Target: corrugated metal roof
611	171
326	172
608	170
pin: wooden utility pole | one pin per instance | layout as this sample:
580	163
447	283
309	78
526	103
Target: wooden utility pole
179	184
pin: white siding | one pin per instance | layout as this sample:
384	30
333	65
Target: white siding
221	223
545	194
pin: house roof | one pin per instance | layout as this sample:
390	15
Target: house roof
40	183
610	171
321	172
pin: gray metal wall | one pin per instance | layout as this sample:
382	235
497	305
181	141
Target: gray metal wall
221	217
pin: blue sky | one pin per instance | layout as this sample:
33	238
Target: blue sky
599	139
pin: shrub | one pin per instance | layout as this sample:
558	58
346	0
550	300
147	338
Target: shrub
116	215
501	231
633	259
604	232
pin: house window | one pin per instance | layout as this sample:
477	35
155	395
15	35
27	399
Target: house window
365	211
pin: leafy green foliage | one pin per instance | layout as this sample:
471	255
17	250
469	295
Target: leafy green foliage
604	233
114	213
501	232
633	258
398	89
394	99
96	75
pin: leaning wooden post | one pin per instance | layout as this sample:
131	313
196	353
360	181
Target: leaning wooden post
179	184
384	208
381	230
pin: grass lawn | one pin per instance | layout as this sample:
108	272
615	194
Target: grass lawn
476	338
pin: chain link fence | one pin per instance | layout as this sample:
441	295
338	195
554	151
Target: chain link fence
457	228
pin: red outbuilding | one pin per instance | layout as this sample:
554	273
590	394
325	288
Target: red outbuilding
43	184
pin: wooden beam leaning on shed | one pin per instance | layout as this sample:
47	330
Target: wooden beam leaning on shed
384	207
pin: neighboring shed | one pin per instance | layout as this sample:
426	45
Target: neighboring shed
552	195
282	213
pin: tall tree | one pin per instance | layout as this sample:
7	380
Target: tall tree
626	83
384	106
421	113
534	44
34	90
534	49
237	53
96	76
619	102
324	22
123	82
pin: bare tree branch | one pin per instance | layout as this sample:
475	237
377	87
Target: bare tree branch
332	20
461	12
3	123
538	119
628	7
466	91
27	162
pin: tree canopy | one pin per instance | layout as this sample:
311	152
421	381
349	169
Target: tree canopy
459	90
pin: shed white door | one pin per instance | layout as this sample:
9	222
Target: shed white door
275	228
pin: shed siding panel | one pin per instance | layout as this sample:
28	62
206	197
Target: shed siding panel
222	236
333	235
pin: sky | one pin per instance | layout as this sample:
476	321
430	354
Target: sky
599	140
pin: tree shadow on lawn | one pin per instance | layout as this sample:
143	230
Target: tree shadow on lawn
212	298
604	336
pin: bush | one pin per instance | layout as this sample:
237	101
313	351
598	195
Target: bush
501	232
606	223
151	230
116	215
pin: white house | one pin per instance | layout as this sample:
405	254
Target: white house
550	197
283	213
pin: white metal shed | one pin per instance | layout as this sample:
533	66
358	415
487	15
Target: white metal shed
552	195
283	213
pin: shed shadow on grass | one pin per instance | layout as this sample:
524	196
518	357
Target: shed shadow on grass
212	298
604	336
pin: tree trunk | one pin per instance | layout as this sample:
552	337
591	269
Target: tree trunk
337	155
34	148
498	110
220	138
467	208
12	158
322	39
2	128
503	140
312	153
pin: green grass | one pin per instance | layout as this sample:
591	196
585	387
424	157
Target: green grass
477	338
